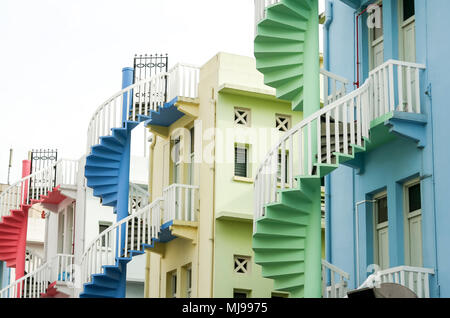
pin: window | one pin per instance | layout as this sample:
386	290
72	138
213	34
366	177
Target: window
192	133
171	284
376	44
285	168
239	293
241	161
413	225
241	264
176	160
280	295
188	282
381	231
282	122
378	32
408	9
103	226
242	116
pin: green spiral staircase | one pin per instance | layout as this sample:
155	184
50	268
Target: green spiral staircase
287	240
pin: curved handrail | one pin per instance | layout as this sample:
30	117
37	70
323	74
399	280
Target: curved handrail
22	191
349	116
103	250
21	288
152	93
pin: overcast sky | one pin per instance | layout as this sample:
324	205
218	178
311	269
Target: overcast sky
59	60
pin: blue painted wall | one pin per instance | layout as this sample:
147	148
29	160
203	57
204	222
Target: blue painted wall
388	166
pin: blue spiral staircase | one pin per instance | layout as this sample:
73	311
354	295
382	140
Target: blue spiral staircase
107	173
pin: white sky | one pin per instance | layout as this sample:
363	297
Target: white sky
60	60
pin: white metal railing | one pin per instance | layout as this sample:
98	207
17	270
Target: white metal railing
63	269
32	261
139	228
338	281
260	10
180	203
137	198
339	125
29	286
141	98
417	279
67	173
39	276
39	183
332	87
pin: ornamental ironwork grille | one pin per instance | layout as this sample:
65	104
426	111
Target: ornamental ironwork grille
41	159
146	67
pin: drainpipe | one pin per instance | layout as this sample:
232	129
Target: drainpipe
152	140
328	21
357	237
326	49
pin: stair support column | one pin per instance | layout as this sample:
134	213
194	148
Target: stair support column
22	241
313	245
124	180
311	104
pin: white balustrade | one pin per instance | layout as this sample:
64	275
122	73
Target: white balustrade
260	10
332	87
29	286
141	98
180	203
139	228
338	281
37	184
417	279
337	126
137	198
63	269
32	261
67	173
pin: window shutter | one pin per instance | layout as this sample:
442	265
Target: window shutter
240	162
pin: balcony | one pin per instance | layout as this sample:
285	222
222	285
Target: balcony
180	210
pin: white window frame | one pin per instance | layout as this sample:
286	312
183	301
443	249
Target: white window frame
407	216
373	43
377	226
402	24
248	166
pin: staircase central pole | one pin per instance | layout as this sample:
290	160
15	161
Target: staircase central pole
311	105
22	241
124	176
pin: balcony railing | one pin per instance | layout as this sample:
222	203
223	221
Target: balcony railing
180	203
334	281
30	285
63	269
415	278
142	98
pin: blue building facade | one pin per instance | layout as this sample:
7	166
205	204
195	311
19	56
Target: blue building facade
390	208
